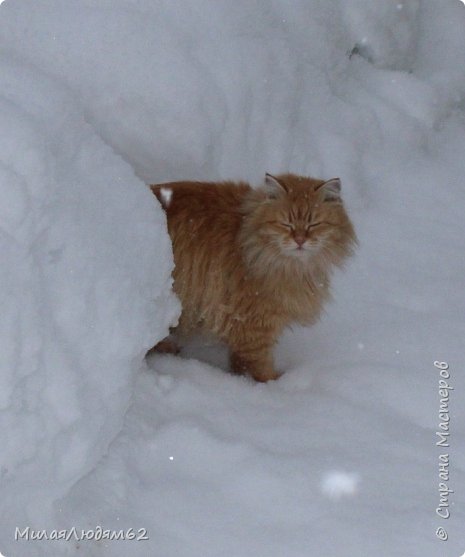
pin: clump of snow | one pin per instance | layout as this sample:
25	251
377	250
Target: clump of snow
384	32
166	195
339	484
372	91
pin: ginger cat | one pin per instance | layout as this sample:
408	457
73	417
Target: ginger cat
249	262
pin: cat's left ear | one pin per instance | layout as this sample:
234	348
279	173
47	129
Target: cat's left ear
273	186
331	189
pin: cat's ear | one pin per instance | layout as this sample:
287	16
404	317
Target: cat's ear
273	186
331	189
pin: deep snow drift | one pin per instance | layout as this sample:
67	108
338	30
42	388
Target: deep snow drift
81	302
338	457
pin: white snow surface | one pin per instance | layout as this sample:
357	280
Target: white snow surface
338	457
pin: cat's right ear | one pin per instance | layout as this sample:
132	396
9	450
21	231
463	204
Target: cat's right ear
273	186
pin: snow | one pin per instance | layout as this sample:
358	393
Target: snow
339	456
337	484
80	302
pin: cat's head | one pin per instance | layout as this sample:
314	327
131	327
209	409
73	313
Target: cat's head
299	218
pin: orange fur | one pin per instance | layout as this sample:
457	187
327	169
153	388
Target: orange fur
249	262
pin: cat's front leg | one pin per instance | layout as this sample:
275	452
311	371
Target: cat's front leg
256	363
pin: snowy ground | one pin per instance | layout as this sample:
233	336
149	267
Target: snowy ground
338	458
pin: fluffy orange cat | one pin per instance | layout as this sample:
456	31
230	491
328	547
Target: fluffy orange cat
249	262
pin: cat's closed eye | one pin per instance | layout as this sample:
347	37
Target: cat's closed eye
312	225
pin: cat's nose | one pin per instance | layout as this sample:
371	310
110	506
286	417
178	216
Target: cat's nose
299	240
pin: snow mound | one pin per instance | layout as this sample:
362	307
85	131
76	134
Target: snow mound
85	281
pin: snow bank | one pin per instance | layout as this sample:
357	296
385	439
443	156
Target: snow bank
85	277
339	456
206	90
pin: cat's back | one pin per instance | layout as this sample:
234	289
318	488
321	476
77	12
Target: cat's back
204	201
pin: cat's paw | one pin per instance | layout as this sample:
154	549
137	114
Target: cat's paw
265	376
259	368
